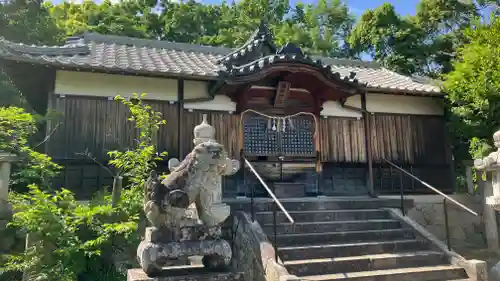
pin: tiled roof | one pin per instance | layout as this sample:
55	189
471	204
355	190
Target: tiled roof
152	57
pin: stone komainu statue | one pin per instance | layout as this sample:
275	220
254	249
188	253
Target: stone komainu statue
493	159
175	233
196	180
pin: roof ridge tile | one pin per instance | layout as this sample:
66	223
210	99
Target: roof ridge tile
150	43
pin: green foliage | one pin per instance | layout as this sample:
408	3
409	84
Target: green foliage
423	43
65	235
136	164
27	21
9	95
320	28
473	88
16	128
72	240
389	38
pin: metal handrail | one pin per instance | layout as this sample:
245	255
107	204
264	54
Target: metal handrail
431	187
445	197
271	193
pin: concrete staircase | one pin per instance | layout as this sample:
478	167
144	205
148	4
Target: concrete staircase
353	240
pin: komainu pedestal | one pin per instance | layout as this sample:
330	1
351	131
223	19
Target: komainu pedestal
175	234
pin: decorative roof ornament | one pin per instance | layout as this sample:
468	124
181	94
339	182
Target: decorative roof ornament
260	53
261	42
261	33
291	49
203	132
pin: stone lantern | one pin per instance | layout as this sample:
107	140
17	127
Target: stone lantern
491	164
5	161
203	132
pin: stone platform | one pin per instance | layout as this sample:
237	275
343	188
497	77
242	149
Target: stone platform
185	273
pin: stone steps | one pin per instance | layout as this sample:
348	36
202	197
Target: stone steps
333	226
364	263
323	215
342	237
352	240
289	189
185	273
352	249
314	204
427	273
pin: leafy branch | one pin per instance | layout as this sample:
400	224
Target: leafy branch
77	241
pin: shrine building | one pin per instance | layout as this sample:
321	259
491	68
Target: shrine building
332	123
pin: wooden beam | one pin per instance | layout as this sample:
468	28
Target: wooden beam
282	93
317	145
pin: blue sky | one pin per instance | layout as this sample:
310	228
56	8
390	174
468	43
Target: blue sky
403	7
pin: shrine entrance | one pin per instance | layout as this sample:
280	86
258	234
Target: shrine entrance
282	150
279	94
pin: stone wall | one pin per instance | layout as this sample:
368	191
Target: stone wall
253	253
466	230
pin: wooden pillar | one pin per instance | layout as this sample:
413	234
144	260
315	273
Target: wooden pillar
368	144
49	128
180	117
451	160
317	145
241	188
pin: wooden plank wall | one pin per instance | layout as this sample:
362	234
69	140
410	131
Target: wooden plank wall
226	129
100	125
342	140
408	139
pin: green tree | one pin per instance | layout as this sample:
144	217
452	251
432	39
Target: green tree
27	22
16	129
389	38
320	28
424	43
473	87
190	21
125	18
